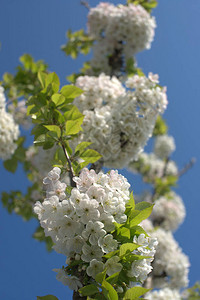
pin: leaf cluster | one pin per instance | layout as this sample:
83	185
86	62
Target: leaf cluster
25	82
78	42
147	4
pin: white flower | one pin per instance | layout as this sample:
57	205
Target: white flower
112	265
93	231
2	98
94	268
9	133
164	294
107	243
140	269
71	281
91	252
164	146
87	210
123	121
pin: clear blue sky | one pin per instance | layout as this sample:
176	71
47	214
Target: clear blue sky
38	27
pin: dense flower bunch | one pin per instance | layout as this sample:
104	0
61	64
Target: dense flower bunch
80	225
120	32
164	294
171	265
152	167
123	120
2	98
164	146
9	131
168	212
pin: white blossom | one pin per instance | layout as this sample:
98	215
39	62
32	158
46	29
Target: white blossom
9	133
164	146
113	266
94	268
71	281
120	29
123	120
168	212
164	294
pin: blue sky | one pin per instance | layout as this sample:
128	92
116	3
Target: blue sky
38	27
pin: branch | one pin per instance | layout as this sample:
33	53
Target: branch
187	167
71	171
86	4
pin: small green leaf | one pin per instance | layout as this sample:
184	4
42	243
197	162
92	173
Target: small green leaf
53	79
128	247
42	78
71	91
101	276
111	291
113	278
131	202
137	216
10	164
47	297
58	99
134	293
89	156
73	113
88	290
81	147
73	126
54	128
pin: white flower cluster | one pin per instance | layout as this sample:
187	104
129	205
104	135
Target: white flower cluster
119	30
152	167
168	212
9	131
164	294
124	119
141	268
164	146
80	225
19	113
2	98
171	265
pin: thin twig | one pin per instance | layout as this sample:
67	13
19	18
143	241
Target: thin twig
71	171
86	4
187	167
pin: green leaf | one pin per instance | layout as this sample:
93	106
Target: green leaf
88	290
89	156
101	276
123	234
81	147
48	297
137	230
58	99
131	202
134	293
113	278
137	216
54	128
40	140
111	291
42	78
73	113
128	247
71	91
111	254
10	164
73	126
53	79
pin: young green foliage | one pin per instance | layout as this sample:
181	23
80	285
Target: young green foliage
78	42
